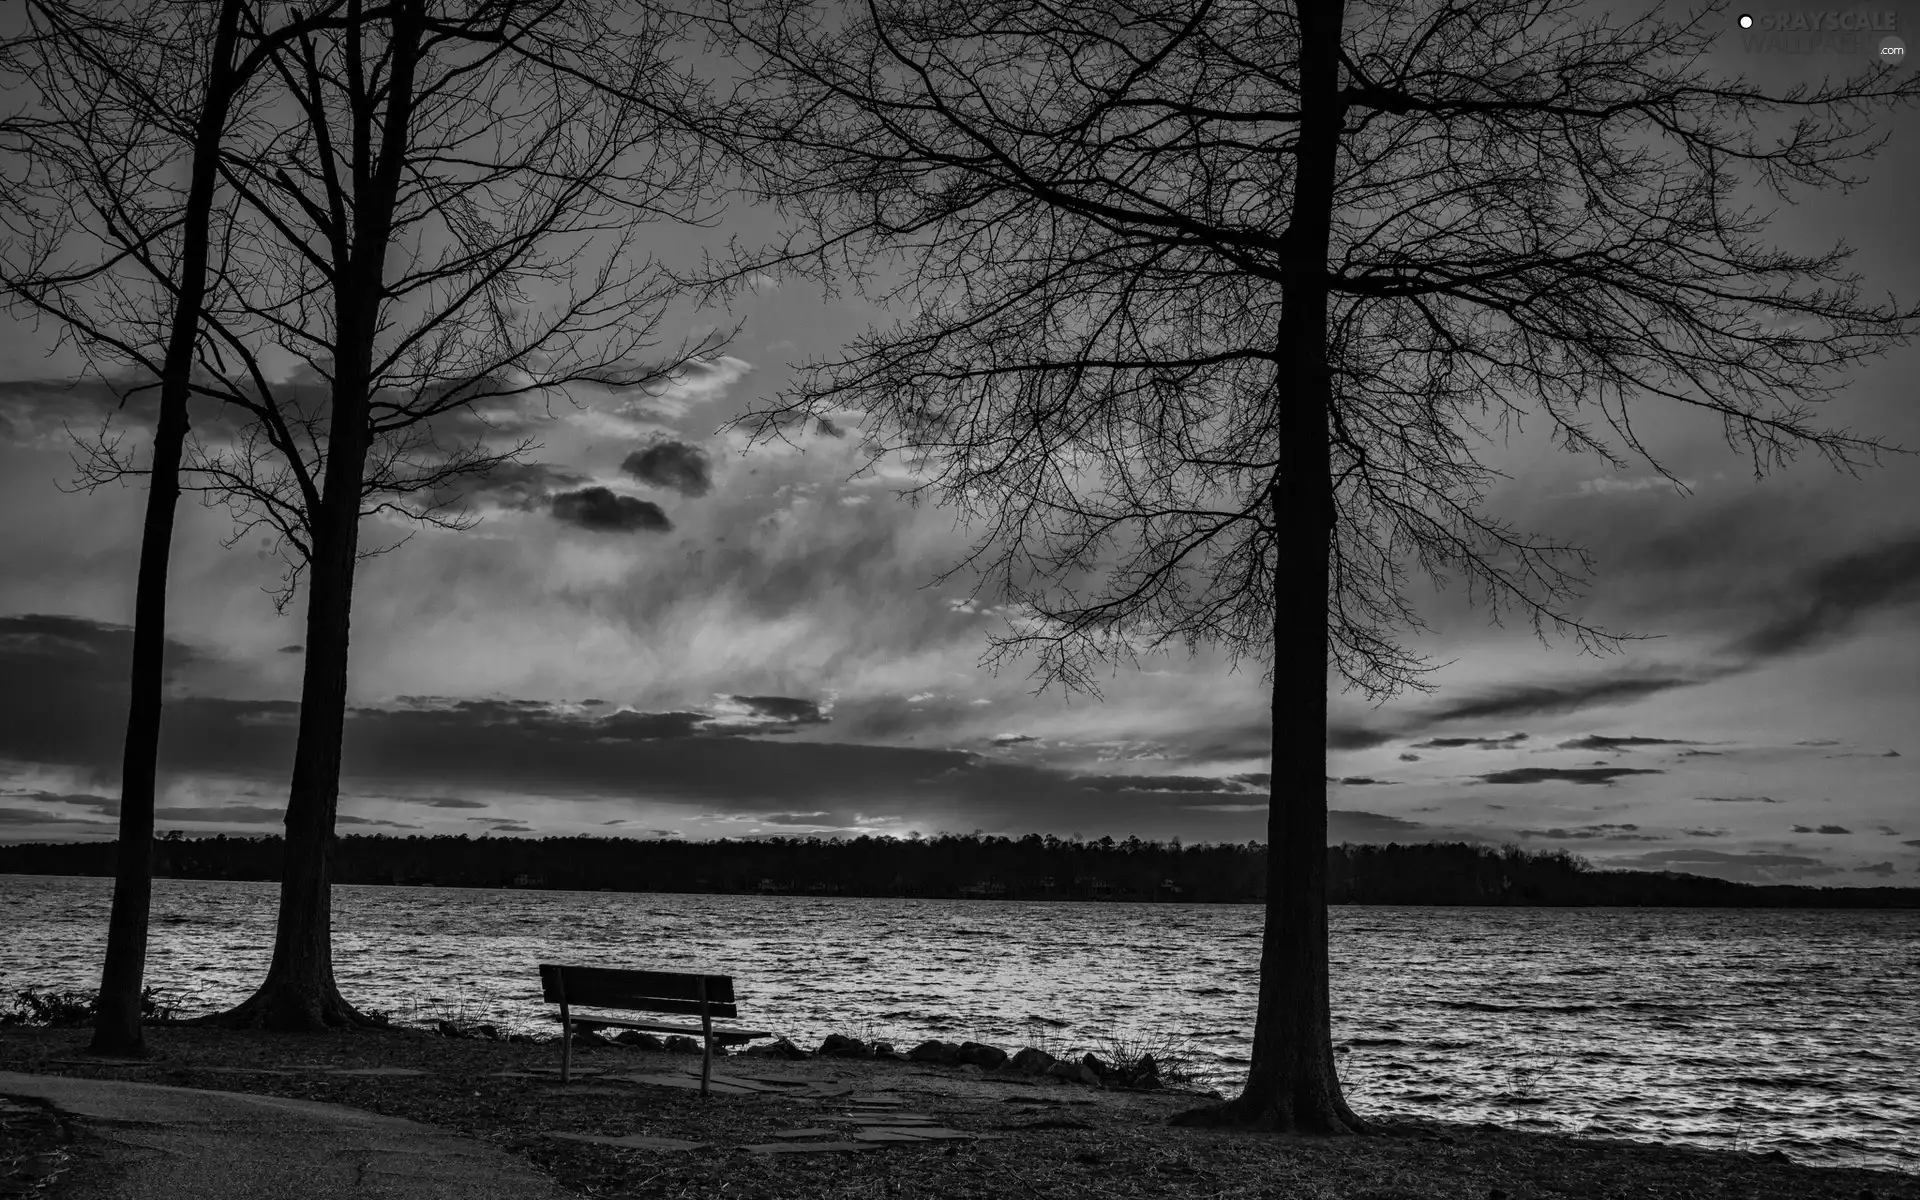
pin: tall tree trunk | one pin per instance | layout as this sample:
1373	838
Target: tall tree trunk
1291	1081
116	1027
299	992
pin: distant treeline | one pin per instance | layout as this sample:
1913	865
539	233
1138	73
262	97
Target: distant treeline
1029	868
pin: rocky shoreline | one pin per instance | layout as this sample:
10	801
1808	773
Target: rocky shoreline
1032	1135
1144	1071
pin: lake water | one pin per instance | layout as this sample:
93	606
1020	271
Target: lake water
1765	1028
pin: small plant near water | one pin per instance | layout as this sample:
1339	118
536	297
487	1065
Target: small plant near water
1169	1057
1043	1034
461	1017
1524	1081
1525	1085
76	1009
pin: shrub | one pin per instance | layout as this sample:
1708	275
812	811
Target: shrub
1168	1057
76	1009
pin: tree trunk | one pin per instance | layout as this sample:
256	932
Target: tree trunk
117	1015
1291	1082
299	992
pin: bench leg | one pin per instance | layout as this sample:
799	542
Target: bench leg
566	1049
706	1051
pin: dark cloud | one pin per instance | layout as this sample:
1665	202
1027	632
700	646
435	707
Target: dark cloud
1880	868
33	816
1819	742
676	757
1161	783
795	818
1617	833
1409	757
1751	866
33	407
448	802
106	806
1596	741
1355	825
639	726
679	466
1822	829
1478	743
1822	605
1674	859
1364	780
1342	736
292	649
348	819
1828	602
783	708
1566	774
600	510
1911	842
1013	739
1533	699
524	486
508	827
62	702
94	650
1706	832
1891	754
1700	754
1739	799
239	814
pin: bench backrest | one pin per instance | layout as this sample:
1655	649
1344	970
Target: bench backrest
647	991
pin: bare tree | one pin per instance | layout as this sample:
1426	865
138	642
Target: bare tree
449	222
435	211
1208	305
112	97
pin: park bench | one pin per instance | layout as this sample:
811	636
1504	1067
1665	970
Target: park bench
705	996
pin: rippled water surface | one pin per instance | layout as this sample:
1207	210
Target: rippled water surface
1768	1028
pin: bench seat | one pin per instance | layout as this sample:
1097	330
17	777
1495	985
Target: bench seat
726	1037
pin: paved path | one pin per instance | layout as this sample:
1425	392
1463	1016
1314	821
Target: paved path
166	1143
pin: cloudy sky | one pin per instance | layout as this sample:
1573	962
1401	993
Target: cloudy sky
655	632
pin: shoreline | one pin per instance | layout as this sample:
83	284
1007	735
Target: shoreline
1040	1136
1906	903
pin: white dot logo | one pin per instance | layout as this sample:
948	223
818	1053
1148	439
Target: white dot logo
1746	22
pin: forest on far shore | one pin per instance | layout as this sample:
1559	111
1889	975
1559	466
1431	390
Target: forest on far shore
1033	867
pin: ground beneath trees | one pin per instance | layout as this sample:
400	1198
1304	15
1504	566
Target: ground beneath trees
1023	1137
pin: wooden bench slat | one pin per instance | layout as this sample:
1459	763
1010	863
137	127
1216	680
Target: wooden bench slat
720	1034
614	988
652	1004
